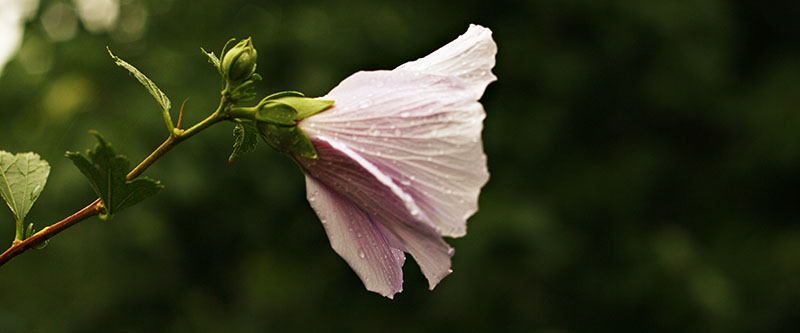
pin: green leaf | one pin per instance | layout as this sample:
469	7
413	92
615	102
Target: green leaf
245	138
151	87
22	179
289	140
212	59
106	172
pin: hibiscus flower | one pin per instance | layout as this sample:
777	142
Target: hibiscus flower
400	161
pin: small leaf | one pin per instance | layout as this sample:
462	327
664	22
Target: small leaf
245	138
22	178
106	172
151	87
212	59
30	232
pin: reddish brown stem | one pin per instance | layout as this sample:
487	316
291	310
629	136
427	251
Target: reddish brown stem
94	208
50	231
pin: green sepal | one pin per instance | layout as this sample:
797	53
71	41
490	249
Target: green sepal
284	94
277	116
302	106
305	106
245	136
225	48
289	140
212	58
106	172
244	92
276	113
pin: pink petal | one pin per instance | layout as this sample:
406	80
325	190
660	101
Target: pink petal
421	124
470	58
362	186
358	239
401	161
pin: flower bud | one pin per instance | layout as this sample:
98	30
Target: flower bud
239	63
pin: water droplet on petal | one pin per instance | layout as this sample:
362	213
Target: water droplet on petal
361	254
404	114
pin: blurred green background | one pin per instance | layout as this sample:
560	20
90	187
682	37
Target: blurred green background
644	159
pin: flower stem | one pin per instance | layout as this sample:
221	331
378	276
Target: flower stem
19	246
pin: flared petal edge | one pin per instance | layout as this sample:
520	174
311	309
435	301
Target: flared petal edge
361	187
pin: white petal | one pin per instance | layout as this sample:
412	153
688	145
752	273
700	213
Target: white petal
358	239
422	131
420	125
470	57
405	226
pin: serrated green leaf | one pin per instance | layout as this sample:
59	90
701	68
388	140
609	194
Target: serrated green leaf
212	59
245	136
289	140
151	87
22	178
106	172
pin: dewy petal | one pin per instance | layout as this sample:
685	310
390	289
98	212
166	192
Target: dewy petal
401	160
420	125
470	58
360	186
358	239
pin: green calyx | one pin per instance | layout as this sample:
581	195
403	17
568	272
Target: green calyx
276	118
237	66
